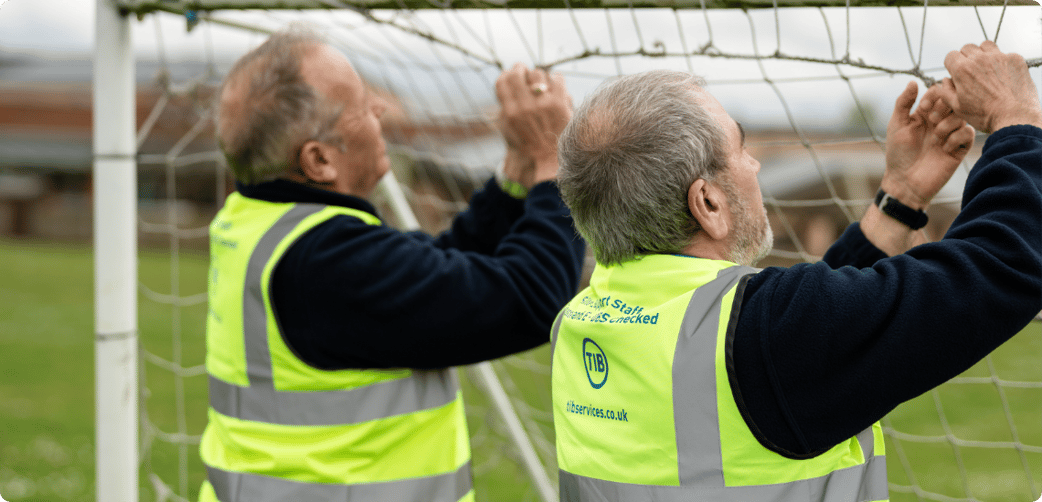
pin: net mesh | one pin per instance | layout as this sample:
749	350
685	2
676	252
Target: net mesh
813	88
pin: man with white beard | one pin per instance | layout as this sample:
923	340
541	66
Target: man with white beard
681	373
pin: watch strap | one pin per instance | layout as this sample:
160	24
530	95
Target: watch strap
913	218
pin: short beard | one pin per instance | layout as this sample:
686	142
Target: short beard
752	239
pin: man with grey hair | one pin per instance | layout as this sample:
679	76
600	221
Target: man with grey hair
681	373
330	336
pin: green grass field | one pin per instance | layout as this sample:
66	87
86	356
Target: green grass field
47	396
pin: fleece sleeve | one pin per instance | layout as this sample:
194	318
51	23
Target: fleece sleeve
350	295
820	352
489	218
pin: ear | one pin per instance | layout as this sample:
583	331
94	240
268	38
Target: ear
315	162
708	204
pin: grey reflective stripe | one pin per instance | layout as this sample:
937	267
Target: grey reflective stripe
237	486
553	336
868	442
874	485
861	483
699	459
254	314
420	391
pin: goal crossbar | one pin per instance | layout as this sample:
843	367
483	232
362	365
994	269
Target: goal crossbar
141	7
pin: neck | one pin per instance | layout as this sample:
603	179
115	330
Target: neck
299	177
701	246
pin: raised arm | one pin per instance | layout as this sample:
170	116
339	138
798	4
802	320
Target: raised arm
833	349
923	149
535	107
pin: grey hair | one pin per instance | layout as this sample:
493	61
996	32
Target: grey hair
628	157
279	111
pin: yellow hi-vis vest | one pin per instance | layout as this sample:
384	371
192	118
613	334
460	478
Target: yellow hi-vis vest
642	402
282	430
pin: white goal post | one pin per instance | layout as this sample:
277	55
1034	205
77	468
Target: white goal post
811	188
115	259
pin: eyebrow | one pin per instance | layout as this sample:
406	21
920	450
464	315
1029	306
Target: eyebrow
742	131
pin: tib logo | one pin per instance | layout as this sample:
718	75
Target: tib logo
596	363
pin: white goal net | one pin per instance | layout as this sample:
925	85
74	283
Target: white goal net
812	86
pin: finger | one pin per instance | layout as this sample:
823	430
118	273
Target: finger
926	104
557	85
989	46
503	92
536	75
1017	60
517	81
538	82
511	90
930	96
943	110
903	105
960	141
947	95
954	60
970	49
949	126
507	81
940	111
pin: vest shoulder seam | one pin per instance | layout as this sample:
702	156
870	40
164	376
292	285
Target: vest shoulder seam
732	377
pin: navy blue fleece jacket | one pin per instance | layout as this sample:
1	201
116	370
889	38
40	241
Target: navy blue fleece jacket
351	295
821	351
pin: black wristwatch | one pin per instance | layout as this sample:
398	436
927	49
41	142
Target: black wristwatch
913	218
